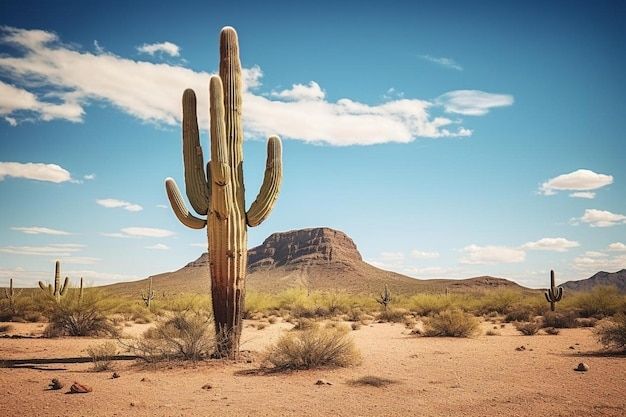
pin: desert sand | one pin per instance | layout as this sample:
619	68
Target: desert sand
481	376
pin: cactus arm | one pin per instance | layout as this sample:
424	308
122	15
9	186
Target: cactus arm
195	179
547	296
178	206
220	168
66	285
45	287
264	203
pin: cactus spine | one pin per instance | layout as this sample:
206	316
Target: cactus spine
11	295
58	290
384	298
554	294
219	193
149	296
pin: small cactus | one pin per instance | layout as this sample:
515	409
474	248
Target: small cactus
58	290
80	293
149	296
384	298
11	295
554	294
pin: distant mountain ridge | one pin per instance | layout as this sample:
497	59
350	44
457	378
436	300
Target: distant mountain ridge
616	279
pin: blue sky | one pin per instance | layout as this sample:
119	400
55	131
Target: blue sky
448	139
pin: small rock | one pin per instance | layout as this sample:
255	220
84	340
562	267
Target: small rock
520	348
207	386
78	388
115	375
572	347
55	384
144	379
582	367
323	382
132	404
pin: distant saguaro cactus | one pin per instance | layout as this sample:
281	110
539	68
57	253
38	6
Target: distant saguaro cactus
149	296
58	290
80	292
11	295
554	294
384	298
219	193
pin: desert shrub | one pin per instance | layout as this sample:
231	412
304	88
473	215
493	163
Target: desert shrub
586	322
272	320
261	326
601	301
305	324
392	315
313	348
355	325
612	333
74	317
101	355
5	328
373	381
451	323
552	331
184	336
559	320
428	304
518	313
501	301
491	332
527	328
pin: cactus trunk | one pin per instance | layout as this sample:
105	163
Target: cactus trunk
554	294
58	290
219	193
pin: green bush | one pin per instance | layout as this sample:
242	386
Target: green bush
451	323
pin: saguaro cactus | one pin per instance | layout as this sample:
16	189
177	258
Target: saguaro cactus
554	294
219	193
58	290
80	292
11	295
149	296
384	298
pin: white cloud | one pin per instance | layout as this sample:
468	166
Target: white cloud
301	92
424	255
60	249
581	181
602	218
556	244
116	235
474	254
114	203
444	62
593	264
168	48
38	230
617	247
392	256
158	246
152	92
163	206
147	232
34	171
472	102
89	177
595	254
12	121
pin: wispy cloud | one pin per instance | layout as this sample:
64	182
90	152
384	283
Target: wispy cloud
59	249
89	177
115	203
128	232
581	181
38	230
158	246
168	48
13	99
151	92
34	171
555	244
477	255
418	254
442	61
602	218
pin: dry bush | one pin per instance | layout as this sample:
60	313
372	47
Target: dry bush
305	324
272	319
313	348
527	328
552	331
355	325
261	326
372	381
601	301
492	333
518	313
392	315
612	333
184	336
75	317
5	328
586	322
451	323
559	320
101	355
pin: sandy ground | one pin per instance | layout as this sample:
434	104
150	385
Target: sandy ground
482	376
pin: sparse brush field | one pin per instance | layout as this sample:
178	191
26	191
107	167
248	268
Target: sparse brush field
311	354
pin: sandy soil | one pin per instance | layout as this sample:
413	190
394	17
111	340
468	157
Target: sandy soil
483	376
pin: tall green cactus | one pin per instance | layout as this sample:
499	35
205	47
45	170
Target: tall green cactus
385	298
554	294
58	290
11	295
219	193
149	296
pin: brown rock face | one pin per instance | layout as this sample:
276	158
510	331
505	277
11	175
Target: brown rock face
306	246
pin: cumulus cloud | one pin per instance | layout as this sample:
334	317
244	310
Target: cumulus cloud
418	254
152	92
114	203
442	61
158	246
581	181
556	244
38	230
168	48
14	99
593	264
34	171
617	247
472	102
602	218
474	254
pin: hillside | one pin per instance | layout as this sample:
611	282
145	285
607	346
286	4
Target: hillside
616	279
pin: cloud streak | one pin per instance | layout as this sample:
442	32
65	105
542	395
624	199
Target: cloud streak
168	48
581	181
115	203
442	61
38	230
34	171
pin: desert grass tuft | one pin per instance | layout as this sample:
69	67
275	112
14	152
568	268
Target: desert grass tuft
373	381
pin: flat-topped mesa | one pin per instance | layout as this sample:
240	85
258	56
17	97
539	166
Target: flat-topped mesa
306	246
